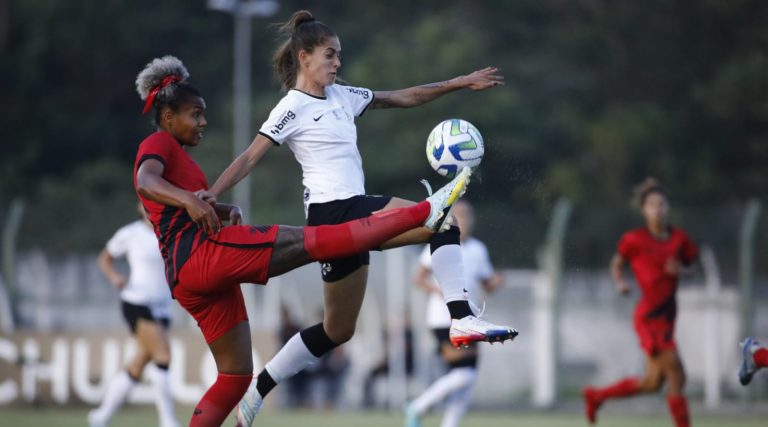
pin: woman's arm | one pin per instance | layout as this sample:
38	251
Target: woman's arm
493	283
424	280
107	266
617	264
229	212
418	95
151	184
242	165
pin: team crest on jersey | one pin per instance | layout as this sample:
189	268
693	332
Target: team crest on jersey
279	126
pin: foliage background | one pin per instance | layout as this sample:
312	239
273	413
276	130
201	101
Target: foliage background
599	94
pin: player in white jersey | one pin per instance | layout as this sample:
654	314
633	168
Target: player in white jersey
315	120
146	306
455	387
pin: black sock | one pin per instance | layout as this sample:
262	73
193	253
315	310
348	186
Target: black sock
264	383
459	309
317	341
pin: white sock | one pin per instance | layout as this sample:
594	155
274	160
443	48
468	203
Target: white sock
448	269
292	358
117	391
163	397
457	406
456	379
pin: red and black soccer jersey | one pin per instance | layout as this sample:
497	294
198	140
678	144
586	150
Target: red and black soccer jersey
177	234
648	258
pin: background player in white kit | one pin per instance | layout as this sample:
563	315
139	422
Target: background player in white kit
146	306
455	386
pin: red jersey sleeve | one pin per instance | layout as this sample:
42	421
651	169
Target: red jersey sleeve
158	146
627	246
688	250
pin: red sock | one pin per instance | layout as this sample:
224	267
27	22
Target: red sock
761	357
325	242
219	400
624	388
678	407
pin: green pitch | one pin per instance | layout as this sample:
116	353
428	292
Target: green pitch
146	416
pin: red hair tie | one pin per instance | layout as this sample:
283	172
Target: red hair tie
173	78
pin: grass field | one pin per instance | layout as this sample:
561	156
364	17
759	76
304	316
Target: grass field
146	416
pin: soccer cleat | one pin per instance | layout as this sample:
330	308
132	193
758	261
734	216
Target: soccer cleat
412	419
748	367
471	329
591	404
94	420
249	406
442	201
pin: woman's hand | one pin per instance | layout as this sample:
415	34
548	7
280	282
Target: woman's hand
118	281
235	215
622	287
203	214
206	196
482	79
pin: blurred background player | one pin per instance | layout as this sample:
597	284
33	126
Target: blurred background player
315	119
205	263
455	386
754	356
657	254
146	305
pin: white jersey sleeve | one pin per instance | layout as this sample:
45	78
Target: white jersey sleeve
357	98
283	121
118	245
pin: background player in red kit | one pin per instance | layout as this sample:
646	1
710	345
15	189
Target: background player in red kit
205	262
656	253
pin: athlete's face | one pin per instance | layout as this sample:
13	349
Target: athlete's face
188	123
655	209
320	66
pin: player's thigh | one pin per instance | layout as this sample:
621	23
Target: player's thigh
410	237
139	360
153	336
343	300
288	251
232	350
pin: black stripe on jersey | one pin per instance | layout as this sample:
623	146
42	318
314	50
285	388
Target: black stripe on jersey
269	138
242	245
150	156
184	249
166	216
373	96
667	310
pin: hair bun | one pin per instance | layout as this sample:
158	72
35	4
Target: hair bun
157	70
302	17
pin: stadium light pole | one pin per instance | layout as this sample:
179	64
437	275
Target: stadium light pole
242	11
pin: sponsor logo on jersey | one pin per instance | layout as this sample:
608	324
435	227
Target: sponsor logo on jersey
357	91
279	126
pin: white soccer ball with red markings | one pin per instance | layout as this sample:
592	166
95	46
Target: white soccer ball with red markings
454	144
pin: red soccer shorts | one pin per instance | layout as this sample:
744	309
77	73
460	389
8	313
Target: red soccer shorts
655	335
209	282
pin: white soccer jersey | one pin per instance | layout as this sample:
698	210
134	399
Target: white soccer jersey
146	282
477	267
321	133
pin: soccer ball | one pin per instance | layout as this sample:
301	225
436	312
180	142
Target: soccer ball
452	145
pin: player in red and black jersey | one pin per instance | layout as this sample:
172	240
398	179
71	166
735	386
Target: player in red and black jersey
657	253
205	262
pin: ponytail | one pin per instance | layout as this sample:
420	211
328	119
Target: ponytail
301	32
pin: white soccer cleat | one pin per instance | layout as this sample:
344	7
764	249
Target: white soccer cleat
412	419
249	406
471	329
94	419
748	367
442	201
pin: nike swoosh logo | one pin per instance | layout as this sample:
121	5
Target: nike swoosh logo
318	117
